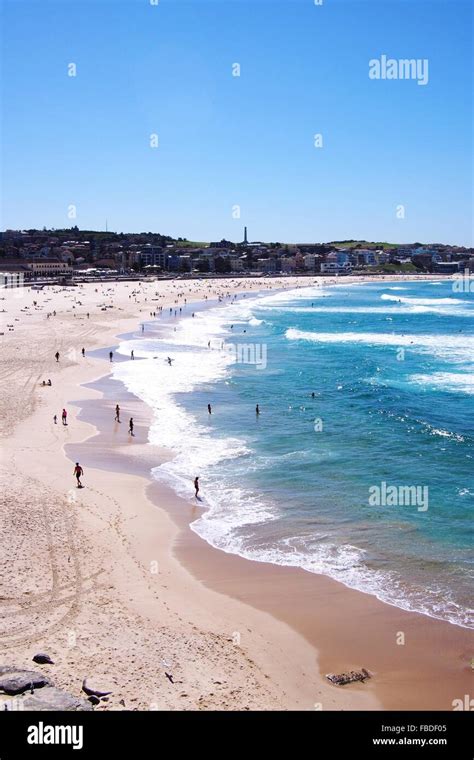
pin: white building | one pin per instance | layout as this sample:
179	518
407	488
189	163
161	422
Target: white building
12	279
48	267
331	267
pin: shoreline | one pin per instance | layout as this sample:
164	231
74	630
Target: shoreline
284	592
264	593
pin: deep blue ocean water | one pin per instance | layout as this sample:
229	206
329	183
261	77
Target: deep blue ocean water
391	367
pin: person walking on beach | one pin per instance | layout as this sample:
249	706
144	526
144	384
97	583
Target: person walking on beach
209	408
130	427
83	351
78	472
57	355
117	413
55	419
196	486
111	355
64	417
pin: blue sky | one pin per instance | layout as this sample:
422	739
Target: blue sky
245	141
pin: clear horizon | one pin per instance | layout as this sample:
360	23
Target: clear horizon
154	132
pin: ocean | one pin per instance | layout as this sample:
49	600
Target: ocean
360	465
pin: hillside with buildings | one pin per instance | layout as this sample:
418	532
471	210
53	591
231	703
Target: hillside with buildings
68	253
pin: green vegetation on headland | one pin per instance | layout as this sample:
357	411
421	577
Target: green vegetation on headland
392	268
363	244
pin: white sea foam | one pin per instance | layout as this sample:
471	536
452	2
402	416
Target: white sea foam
451	311
395	309
445	434
447	381
289	296
451	347
153	380
445	307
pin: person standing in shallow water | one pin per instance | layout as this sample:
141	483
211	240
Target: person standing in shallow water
111	355
196	486
257	410
209	408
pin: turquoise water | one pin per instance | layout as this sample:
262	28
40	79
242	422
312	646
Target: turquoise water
391	367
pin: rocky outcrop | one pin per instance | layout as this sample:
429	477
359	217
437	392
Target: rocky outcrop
51	698
17	680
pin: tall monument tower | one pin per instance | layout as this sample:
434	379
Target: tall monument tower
245	236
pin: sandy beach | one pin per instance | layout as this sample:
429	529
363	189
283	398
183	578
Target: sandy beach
111	582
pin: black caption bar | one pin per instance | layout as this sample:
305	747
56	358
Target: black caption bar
378	734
